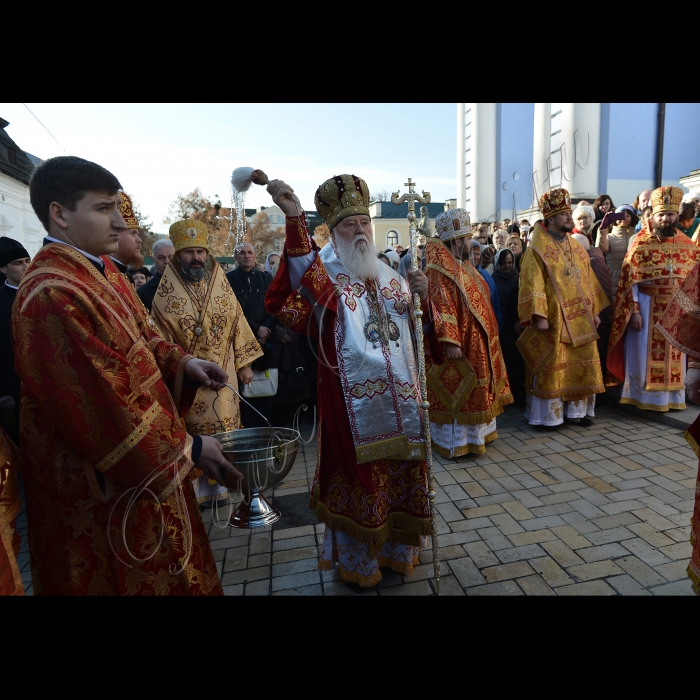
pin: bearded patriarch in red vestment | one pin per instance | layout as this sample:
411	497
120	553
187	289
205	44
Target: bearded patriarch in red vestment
370	486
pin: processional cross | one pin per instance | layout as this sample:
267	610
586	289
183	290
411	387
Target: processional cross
412	197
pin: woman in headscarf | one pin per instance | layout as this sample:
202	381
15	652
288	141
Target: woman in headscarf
583	218
613	240
506	278
487	254
272	259
515	245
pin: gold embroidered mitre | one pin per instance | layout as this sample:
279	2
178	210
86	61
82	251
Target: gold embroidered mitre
555	202
189	233
666	199
340	197
453	223
126	209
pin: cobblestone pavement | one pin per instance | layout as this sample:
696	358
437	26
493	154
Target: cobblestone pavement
603	510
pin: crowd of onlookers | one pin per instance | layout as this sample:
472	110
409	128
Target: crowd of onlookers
496	250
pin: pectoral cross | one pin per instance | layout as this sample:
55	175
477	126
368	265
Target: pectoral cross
670	267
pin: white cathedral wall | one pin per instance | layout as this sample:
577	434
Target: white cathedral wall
17	218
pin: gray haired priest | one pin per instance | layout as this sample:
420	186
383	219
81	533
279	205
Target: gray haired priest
370	486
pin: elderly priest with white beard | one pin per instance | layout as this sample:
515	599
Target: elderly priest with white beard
370	486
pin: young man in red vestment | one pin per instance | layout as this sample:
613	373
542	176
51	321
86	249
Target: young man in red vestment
370	487
104	447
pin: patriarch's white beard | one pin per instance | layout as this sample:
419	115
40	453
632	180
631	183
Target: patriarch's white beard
359	259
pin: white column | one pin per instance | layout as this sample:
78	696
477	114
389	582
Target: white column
581	127
461	157
484	198
541	139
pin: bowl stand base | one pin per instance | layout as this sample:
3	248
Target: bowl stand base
256	513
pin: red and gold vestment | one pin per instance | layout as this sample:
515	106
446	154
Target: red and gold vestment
10	580
373	500
557	282
473	389
99	419
680	326
657	266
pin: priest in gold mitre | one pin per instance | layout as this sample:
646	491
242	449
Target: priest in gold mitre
640	357
680	326
470	387
196	308
370	485
10	580
558	303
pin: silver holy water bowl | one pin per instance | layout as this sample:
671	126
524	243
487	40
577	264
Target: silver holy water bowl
264	456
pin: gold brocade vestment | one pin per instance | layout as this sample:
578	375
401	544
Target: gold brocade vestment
206	320
556	282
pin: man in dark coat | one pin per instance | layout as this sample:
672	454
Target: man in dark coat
163	250
602	272
250	285
13	262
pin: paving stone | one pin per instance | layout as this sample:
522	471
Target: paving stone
644	551
593	496
534	537
237	558
474	490
568	534
493	499
466	572
494	538
556	498
449	586
506	524
295	580
499	588
534	585
651	535
579	522
680	550
245	575
666	483
257	587
604	551
662	494
615	534
507	571
640	571
608	521
624	584
413	588
293	532
563	554
587	588
593	570
621	507
657	521
295	567
539	523
675	588
587	509
518	510
527	499
449	512
466	525
480	554
294	554
550	571
528	551
483	511
674	570
679	534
